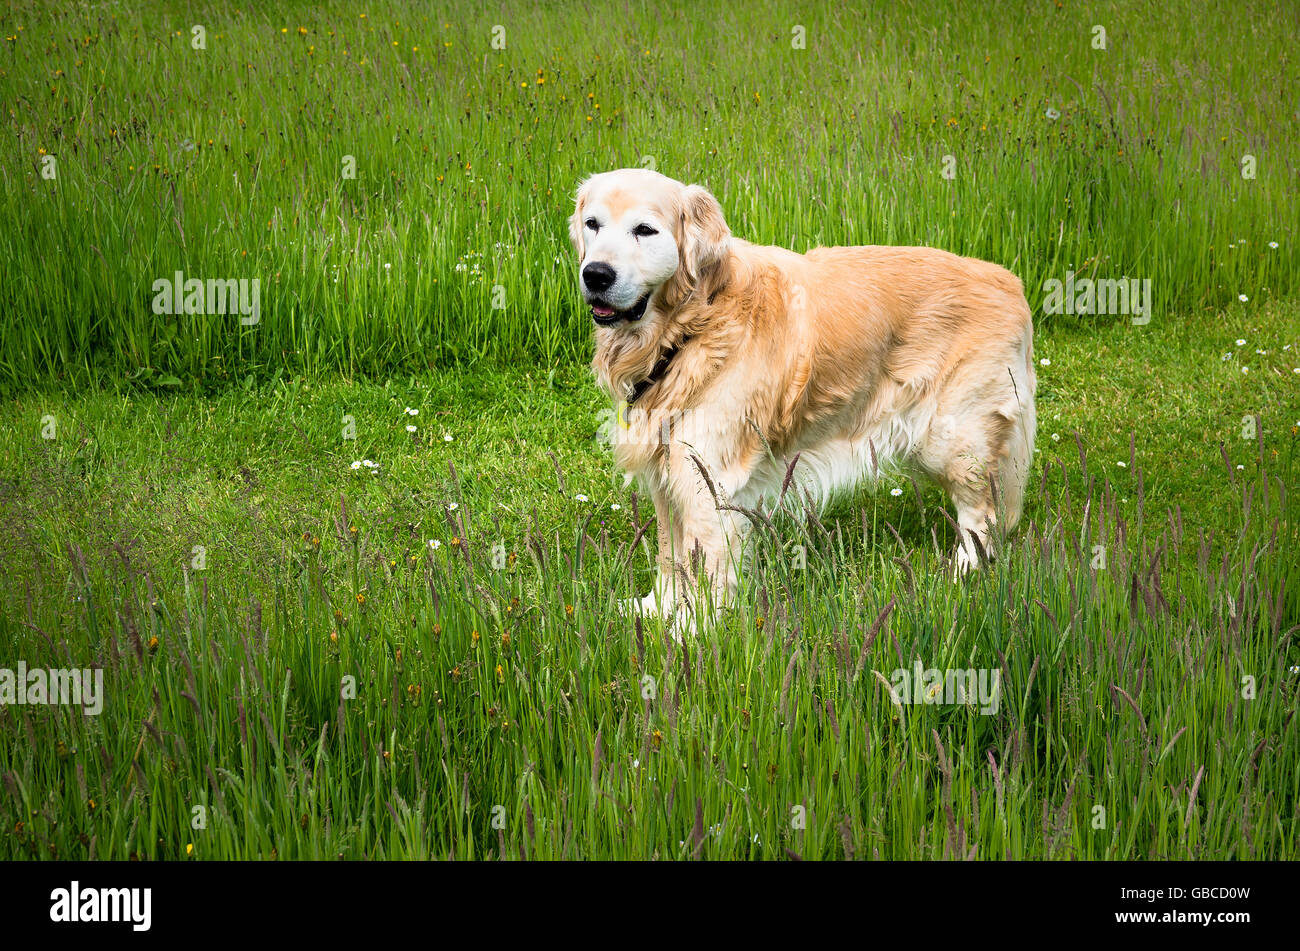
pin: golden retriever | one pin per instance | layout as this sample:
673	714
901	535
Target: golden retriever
728	360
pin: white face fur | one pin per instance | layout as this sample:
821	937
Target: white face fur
626	242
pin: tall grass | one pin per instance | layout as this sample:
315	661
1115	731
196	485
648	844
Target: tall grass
228	162
1146	710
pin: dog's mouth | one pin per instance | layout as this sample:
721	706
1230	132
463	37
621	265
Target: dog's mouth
607	316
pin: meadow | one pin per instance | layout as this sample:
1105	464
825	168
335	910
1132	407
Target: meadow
350	570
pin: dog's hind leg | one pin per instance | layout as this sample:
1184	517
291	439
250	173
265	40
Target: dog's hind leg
972	493
982	462
980	447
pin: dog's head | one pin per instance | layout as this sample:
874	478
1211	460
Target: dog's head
638	233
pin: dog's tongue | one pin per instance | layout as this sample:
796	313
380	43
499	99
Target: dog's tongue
600	311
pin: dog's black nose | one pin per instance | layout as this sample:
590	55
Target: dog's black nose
598	276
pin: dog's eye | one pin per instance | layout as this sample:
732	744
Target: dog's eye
643	231
593	224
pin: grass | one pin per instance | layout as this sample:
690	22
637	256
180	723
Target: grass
522	688
229	163
286	652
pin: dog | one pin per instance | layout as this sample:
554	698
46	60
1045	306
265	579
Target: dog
741	371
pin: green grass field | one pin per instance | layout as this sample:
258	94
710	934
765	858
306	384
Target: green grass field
306	656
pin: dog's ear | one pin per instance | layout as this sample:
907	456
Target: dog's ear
705	238
576	229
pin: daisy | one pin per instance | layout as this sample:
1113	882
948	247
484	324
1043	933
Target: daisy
410	429
895	492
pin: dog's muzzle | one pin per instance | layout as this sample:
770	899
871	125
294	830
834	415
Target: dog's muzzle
607	316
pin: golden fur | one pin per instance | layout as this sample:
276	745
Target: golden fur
852	357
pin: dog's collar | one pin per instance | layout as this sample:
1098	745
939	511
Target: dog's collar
658	372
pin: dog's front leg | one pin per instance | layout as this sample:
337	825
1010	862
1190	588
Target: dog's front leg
699	553
712	534
668	590
713	541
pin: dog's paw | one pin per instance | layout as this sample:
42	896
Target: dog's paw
679	617
964	562
967	559
680	625
646	607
